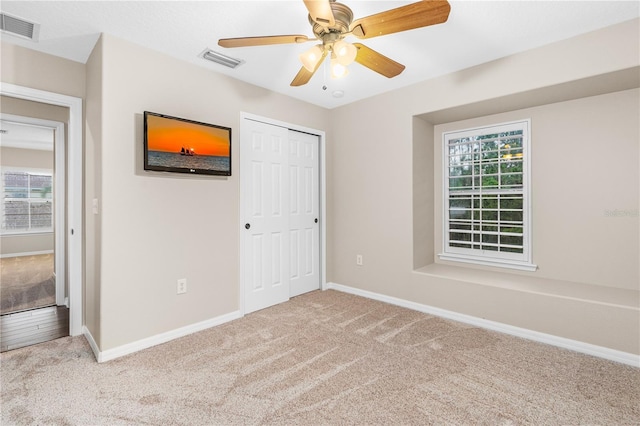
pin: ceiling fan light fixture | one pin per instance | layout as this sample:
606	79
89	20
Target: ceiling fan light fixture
345	52
311	57
337	69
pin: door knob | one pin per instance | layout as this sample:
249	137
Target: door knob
247	225
316	220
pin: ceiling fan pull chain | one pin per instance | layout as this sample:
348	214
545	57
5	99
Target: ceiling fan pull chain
325	70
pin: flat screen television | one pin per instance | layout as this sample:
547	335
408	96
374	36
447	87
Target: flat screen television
178	145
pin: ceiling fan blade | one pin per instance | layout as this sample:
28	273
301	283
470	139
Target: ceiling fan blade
262	41
404	18
320	12
304	75
377	62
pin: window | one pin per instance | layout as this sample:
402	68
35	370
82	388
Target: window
486	196
26	202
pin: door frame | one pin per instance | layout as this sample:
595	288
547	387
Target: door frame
59	166
74	195
322	191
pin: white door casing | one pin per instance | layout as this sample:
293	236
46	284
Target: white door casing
74	191
280	202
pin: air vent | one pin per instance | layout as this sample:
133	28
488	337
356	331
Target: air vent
19	27
221	59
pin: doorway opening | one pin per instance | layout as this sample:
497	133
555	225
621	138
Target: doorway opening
33	300
73	230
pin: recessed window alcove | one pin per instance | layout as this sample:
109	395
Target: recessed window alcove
560	109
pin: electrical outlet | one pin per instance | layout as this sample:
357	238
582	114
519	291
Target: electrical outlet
359	259
182	286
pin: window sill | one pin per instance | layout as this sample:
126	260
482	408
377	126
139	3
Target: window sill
577	291
521	266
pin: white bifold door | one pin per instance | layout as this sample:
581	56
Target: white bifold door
280	213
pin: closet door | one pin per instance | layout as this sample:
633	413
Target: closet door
264	181
279	213
304	213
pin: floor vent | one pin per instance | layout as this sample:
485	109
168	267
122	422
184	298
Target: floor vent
19	27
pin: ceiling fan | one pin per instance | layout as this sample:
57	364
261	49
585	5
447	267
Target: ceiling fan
332	22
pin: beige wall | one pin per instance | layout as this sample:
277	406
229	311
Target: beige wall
385	186
29	68
144	245
31	158
93	190
25	108
24	244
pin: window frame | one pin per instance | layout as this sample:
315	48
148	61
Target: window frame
30	200
521	261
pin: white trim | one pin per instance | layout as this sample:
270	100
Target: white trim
60	206
129	348
74	191
522	266
92	342
549	339
322	181
26	253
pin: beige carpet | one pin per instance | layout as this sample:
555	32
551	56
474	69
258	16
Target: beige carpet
323	358
26	282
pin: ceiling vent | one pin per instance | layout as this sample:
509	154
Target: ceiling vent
19	27
221	59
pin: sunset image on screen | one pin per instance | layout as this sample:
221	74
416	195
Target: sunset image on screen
168	135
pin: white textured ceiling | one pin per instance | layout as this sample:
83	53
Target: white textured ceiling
476	32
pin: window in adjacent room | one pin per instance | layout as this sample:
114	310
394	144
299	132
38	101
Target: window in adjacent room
27	201
486	196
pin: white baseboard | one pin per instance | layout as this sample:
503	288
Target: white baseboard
92	342
574	345
129	348
28	253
